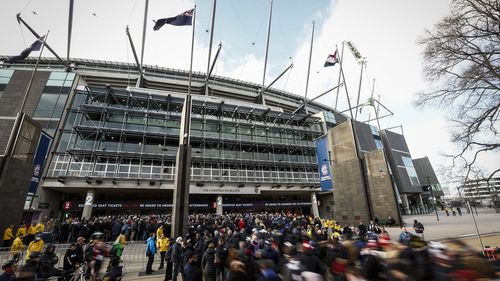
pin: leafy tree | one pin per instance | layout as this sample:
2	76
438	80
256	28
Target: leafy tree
462	62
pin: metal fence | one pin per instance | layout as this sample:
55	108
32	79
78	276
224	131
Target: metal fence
133	257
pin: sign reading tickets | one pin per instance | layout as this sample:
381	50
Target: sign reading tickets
325	175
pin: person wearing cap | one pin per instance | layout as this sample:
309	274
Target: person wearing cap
8	271
309	260
8	236
35	246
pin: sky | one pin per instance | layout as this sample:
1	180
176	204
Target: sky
384	31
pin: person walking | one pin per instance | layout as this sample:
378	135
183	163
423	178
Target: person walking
459	210
176	257
208	263
150	253
419	228
7	236
162	246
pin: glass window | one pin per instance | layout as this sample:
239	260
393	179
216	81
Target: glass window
46	105
378	143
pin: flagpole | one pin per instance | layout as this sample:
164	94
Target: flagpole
359	86
340	72
261	94
70	28
25	97
180	206
188	99
145	24
214	6
309	66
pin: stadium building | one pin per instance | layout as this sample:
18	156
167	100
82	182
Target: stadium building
113	146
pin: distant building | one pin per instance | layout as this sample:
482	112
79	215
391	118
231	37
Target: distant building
428	179
480	191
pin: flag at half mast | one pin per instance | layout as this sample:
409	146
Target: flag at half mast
331	60
26	52
185	18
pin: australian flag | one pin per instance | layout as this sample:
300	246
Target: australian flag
24	54
331	60
185	18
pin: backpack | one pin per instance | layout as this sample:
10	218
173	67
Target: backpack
113	251
419	228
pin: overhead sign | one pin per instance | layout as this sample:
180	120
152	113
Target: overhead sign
73	206
323	157
194	189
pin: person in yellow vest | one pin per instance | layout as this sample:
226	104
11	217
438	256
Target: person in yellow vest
159	231
40	227
17	247
162	246
8	236
31	232
21	230
35	246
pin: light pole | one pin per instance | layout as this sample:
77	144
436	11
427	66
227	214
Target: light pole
433	198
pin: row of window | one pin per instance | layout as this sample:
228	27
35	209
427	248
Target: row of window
64	165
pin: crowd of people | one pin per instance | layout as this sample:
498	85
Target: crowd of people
265	246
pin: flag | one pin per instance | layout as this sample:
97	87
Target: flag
185	18
24	54
357	55
331	60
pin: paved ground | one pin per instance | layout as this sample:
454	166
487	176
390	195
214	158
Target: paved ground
449	227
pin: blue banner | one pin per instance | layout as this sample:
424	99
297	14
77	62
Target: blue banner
325	175
40	154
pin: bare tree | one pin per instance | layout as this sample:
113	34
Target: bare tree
462	62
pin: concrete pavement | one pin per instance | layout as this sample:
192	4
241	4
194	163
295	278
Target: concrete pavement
449	227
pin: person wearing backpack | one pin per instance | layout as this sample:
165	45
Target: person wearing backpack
419	228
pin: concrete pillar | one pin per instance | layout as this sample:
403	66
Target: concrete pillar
180	207
219	210
314	206
406	205
87	205
421	202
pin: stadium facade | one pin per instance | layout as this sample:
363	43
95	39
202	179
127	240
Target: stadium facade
113	145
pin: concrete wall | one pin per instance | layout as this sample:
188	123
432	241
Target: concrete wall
14	184
382	192
349	192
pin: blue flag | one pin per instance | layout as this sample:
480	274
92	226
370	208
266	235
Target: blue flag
185	18
26	52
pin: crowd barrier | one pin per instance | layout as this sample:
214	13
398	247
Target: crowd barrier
134	254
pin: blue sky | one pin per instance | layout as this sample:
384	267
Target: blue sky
385	32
